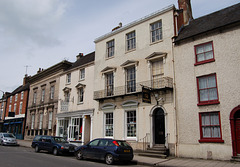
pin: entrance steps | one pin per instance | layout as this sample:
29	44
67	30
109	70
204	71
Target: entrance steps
236	158
157	151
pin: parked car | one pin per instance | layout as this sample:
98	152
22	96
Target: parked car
8	139
109	150
54	144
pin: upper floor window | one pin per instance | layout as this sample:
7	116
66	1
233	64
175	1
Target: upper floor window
210	127
52	89
34	97
80	94
204	53
68	78
32	121
10	99
157	73
40	120
207	90
43	95
131	79
82	74
110	49
67	96
20	108
16	97
50	120
131	40
22	93
156	31
109	84
10	108
15	107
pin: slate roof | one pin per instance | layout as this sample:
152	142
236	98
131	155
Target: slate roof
213	21
83	60
20	89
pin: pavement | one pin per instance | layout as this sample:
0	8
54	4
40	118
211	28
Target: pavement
168	162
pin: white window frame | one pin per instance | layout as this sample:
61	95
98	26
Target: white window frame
80	95
82	74
22	94
50	120
15	107
126	125
34	97
105	125
156	34
40	120
32	121
130	88
16	97
109	84
10	108
68	78
20	107
43	95
52	91
10	99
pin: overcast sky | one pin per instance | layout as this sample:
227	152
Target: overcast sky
42	33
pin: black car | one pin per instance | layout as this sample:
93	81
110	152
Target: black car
52	144
109	150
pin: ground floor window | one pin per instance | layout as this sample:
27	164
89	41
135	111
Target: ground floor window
109	124
131	123
63	127
75	129
210	127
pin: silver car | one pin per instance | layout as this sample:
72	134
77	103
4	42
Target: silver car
8	139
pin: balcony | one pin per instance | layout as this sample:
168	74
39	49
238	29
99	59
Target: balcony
163	83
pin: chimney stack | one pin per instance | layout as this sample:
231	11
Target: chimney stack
184	14
25	79
80	55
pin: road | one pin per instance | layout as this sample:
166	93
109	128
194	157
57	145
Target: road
11	156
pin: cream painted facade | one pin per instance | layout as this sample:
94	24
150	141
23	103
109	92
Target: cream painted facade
75	116
130	118
226	68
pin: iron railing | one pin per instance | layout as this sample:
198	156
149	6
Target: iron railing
64	106
161	83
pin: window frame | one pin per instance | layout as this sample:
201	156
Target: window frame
207	102
80	95
22	94
82	73
68	78
34	97
109	84
105	124
126	124
43	95
205	60
52	91
210	139
155	30
128	80
20	107
130	41
110	46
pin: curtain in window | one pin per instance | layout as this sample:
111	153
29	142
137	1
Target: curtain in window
207	88
211	125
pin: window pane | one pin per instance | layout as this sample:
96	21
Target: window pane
209	55
199	49
208	47
202	83
206	131
200	57
216	131
213	94
211	81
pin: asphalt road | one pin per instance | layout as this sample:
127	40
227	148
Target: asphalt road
11	156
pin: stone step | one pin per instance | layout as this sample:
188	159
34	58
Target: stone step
156	151
152	155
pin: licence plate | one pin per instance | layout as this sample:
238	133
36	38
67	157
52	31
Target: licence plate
126	151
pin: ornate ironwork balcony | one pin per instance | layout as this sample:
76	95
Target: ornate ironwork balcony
157	84
64	106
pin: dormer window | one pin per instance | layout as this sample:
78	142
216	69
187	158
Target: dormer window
110	48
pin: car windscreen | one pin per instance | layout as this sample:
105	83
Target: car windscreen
122	143
60	140
8	135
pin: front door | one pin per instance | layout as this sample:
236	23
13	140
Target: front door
159	126
237	127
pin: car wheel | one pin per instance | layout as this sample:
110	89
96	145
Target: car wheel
79	155
109	159
55	151
37	149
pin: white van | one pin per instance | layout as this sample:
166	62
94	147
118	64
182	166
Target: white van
8	139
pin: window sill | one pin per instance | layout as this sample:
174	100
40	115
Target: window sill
203	62
152	43
79	103
81	79
211	141
131	50
208	103
108	58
